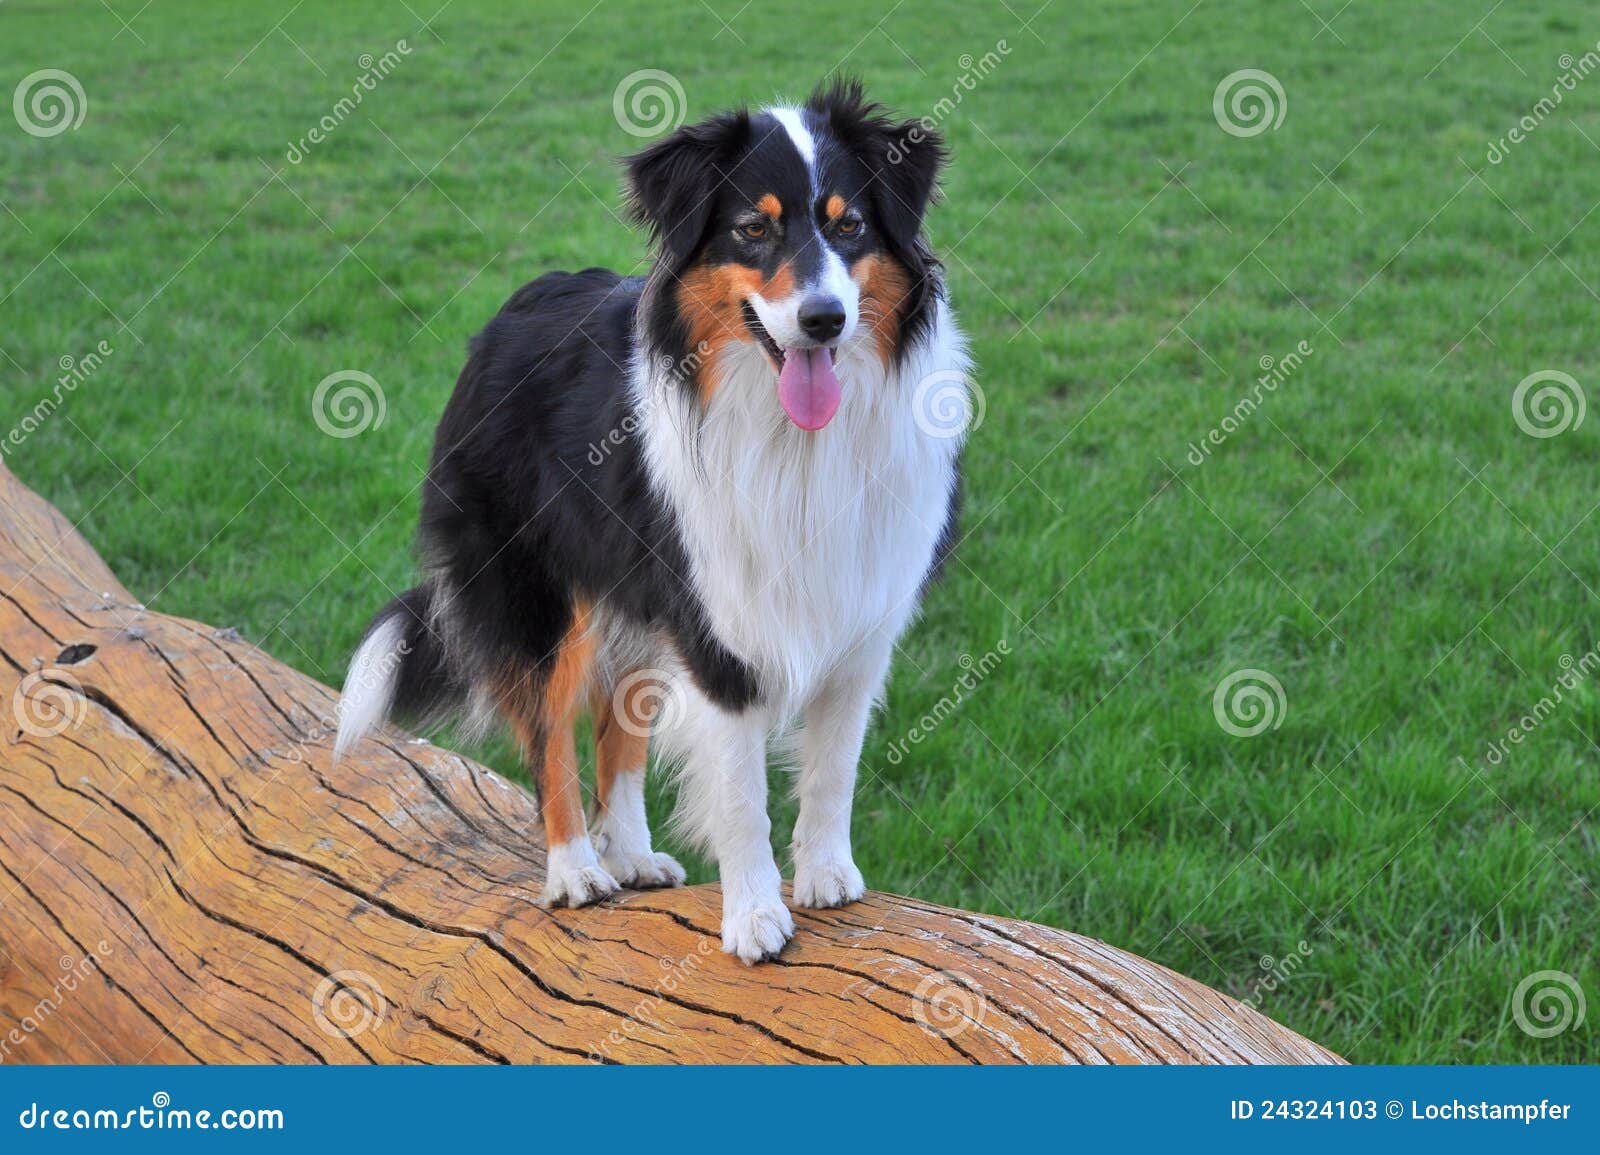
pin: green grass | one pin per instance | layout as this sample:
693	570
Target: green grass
1379	535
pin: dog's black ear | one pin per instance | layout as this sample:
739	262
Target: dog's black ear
905	158
672	185
913	157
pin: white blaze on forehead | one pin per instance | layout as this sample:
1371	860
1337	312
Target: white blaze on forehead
780	316
795	126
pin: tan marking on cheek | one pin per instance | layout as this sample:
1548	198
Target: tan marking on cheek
885	286
835	207
770	205
711	301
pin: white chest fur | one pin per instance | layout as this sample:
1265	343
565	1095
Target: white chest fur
804	545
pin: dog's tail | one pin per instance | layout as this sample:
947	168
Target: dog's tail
401	670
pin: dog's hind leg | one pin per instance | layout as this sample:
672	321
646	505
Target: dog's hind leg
621	828
542	707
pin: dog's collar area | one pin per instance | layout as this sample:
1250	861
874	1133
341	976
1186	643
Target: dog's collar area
763	338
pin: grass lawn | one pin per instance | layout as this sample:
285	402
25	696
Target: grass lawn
1378	534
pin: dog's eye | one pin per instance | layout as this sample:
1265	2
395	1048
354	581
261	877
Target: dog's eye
850	226
753	230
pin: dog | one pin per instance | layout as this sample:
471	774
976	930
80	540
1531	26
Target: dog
702	504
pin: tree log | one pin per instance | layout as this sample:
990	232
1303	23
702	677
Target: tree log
186	877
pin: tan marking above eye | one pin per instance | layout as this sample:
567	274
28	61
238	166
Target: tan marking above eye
835	207
770	205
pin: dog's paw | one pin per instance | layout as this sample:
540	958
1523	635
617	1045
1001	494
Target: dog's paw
574	877
645	871
826	884
580	887
757	933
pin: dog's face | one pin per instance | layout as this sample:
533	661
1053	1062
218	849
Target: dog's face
795	231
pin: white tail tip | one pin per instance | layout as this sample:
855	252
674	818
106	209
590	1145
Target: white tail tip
370	685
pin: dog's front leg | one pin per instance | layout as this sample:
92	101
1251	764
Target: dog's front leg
825	873
755	923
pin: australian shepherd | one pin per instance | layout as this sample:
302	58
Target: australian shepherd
700	505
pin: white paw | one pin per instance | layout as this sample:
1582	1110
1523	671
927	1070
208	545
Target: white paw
578	887
574	877
825	884
757	933
644	871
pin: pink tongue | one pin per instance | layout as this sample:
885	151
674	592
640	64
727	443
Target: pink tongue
807	388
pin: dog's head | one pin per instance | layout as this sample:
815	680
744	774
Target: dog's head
794	231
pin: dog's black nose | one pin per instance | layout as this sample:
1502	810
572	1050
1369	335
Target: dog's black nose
822	318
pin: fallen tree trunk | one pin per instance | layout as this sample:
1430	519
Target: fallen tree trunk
185	876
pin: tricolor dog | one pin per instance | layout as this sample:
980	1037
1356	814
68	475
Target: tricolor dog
699	506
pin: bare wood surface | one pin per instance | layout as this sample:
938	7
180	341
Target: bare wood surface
185	877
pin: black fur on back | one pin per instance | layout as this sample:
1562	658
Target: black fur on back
537	496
